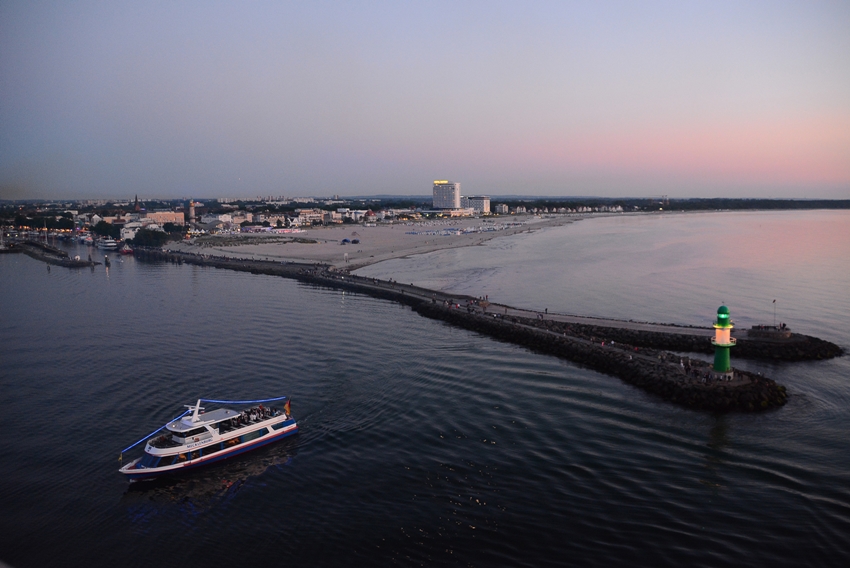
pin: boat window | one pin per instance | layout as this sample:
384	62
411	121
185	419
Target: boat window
148	461
195	455
166	460
180	458
254	435
280	425
211	449
193	432
232	442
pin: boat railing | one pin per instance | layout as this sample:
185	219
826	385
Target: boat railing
248	418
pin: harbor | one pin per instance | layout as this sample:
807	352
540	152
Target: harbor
394	407
656	357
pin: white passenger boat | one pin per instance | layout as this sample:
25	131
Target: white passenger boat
198	438
107	243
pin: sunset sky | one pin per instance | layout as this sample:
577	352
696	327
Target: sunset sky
233	99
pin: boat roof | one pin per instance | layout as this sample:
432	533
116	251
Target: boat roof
217	415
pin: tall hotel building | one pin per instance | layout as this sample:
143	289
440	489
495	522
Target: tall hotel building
446	194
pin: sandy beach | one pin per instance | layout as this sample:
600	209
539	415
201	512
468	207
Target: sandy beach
377	244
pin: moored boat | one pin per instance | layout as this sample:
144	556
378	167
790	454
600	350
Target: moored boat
126	249
198	438
107	243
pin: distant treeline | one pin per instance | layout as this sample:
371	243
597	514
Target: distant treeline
38	214
692	204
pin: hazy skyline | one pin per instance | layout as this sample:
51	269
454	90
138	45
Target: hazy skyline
164	99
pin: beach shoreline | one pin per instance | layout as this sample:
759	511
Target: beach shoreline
323	245
384	241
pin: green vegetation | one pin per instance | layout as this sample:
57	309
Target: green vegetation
148	238
105	229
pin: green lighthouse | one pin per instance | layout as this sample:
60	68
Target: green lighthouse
722	340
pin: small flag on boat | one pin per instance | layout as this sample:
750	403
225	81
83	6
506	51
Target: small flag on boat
286	407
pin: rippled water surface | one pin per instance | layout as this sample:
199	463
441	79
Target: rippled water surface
420	443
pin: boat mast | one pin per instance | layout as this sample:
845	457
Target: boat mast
195	408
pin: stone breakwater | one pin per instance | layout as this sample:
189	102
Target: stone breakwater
53	255
639	358
797	347
658	372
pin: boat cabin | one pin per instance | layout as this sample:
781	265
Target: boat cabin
199	427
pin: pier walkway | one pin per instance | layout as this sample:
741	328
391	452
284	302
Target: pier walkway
487	307
670	337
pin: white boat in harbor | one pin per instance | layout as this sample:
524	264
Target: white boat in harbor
107	243
198	438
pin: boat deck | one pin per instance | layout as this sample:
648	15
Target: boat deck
240	421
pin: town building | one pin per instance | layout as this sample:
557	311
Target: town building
273	219
446	194
129	230
462	212
309	216
240	216
163	217
211	217
480	204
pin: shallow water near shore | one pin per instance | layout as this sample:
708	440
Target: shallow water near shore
421	443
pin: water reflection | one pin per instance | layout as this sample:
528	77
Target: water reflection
200	490
718	439
717	436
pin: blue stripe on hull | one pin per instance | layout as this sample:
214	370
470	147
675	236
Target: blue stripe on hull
149	474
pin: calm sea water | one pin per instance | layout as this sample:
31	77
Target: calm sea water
421	444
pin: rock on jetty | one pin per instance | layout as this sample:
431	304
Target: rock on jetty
795	347
658	372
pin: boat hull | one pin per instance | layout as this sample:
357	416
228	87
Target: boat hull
134	474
